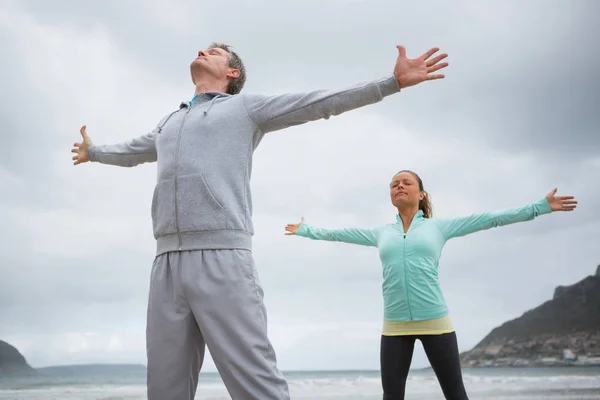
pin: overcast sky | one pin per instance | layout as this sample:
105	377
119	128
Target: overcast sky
516	116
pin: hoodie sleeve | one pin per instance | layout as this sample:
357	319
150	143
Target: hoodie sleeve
131	153
364	237
455	227
125	154
272	113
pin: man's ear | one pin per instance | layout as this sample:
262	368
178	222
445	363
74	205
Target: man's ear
233	73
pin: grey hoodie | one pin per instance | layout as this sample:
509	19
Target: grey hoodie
202	197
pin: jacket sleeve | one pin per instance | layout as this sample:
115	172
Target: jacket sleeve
126	154
461	226
131	153
364	237
271	113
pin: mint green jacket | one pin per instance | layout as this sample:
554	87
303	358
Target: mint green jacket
410	261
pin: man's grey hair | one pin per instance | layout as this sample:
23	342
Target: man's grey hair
235	85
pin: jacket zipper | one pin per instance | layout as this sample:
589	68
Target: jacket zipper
175	175
406	278
404	265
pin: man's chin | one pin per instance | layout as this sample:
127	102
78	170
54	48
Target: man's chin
196	67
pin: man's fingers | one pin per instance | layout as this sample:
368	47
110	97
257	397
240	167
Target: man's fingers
75	157
436	67
429	53
401	51
436	60
434	77
83	131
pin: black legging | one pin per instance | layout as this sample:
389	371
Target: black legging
442	352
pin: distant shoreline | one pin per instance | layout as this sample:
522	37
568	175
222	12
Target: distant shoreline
531	366
303	371
466	367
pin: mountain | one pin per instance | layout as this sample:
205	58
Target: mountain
12	362
562	331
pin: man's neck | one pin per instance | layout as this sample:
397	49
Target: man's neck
407	216
210	86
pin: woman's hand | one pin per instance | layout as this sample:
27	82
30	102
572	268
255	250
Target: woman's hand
291	229
561	203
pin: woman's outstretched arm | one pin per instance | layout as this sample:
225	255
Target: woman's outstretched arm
461	226
360	236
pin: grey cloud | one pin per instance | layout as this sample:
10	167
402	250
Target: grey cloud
523	76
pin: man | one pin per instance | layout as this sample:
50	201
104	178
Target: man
204	289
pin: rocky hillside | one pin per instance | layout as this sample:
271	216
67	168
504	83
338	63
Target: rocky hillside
562	330
12	362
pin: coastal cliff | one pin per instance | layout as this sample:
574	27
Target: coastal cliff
12	362
562	331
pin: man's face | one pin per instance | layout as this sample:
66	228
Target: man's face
213	62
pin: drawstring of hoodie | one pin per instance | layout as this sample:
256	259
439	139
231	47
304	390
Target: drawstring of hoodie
189	105
168	118
211	104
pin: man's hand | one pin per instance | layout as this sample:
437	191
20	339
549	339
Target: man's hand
81	149
410	72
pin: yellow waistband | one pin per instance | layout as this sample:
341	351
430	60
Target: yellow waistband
436	326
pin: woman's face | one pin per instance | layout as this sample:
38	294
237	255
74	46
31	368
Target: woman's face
404	190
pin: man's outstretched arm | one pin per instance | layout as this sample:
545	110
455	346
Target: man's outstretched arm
126	154
271	113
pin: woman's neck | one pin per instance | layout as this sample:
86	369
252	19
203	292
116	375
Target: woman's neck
407	215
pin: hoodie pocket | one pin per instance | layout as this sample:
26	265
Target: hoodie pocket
163	208
199	209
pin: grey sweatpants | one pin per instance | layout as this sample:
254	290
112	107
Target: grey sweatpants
209	298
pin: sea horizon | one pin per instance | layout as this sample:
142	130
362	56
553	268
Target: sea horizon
128	382
301	370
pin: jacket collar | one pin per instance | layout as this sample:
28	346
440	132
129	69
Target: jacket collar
418	215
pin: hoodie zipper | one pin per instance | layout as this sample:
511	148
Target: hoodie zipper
406	279
175	175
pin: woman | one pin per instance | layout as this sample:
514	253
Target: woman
414	307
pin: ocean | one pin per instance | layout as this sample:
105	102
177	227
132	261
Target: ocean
128	383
